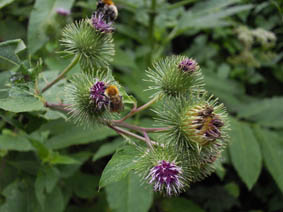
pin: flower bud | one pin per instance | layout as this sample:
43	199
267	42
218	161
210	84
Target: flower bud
63	11
175	76
88	39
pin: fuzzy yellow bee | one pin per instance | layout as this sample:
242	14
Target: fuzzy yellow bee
108	9
116	103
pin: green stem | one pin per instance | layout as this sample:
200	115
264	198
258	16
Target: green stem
61	76
141	108
152	15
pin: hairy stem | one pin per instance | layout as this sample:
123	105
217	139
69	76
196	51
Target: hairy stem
59	107
141	108
61	76
128	133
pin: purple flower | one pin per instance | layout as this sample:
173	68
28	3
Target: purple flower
97	94
100	24
188	65
166	176
63	12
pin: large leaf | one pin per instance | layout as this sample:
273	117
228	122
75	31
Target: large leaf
245	152
129	195
122	162
266	112
107	149
11	49
40	18
208	14
272	149
66	134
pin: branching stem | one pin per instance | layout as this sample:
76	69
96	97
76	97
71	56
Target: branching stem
59	107
139	109
138	128
61	76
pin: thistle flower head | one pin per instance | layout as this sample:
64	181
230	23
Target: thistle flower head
85	94
188	65
97	95
165	169
175	76
197	124
96	49
100	24
166	176
63	12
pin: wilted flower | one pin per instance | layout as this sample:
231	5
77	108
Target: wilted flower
188	65
63	12
97	94
100	24
203	124
166	176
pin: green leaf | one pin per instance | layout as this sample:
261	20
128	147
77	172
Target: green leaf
57	158
83	185
245	152
39	20
107	149
3	3
54	201
16	198
66	134
45	182
10	50
129	195
272	150
17	100
180	205
15	142
122	162
208	14
257	111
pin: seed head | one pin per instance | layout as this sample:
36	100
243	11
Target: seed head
202	124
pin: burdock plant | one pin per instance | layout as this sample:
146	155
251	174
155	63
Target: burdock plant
192	125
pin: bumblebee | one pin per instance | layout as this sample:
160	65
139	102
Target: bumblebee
116	103
108	9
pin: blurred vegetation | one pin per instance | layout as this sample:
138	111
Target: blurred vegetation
49	164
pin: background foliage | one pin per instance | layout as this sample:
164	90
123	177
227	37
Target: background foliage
49	164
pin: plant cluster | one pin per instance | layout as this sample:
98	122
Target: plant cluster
192	125
91	103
